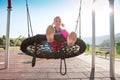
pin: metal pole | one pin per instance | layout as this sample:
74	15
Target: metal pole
7	35
93	35
112	39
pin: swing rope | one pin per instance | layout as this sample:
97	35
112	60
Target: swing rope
35	53
65	67
61	63
29	21
78	20
30	28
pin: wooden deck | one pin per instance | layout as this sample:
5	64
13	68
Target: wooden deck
77	69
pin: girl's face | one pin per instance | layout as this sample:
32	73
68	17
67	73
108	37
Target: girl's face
57	22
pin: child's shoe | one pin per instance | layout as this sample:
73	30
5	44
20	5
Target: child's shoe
50	33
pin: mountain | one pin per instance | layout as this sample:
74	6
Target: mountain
99	39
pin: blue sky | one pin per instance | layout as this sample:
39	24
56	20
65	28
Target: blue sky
43	11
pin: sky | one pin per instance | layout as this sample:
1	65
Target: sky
42	13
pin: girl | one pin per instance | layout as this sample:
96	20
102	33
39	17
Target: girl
56	29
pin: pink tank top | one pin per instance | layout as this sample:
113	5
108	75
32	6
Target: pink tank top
56	45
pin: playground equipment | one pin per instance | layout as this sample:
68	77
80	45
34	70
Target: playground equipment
111	2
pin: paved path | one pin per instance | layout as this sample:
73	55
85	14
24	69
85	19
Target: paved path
101	61
77	69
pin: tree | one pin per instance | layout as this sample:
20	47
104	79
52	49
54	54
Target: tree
4	37
12	42
19	42
1	41
87	47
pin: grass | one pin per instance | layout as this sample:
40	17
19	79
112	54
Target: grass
115	53
15	48
12	48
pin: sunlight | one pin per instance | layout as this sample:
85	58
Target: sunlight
102	18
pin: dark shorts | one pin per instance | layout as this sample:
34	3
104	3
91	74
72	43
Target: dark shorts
57	45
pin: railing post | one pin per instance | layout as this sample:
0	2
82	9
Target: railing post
112	40
93	35
7	35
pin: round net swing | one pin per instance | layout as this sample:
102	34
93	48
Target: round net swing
40	47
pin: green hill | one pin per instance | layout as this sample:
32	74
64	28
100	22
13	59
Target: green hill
101	39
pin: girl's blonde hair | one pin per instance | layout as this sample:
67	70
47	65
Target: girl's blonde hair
60	19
